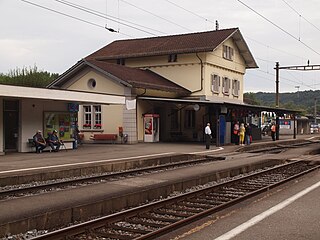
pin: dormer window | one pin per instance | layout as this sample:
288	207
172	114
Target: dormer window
227	52
121	61
172	58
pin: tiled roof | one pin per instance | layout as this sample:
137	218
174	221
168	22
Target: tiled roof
137	78
184	43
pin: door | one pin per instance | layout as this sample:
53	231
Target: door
11	124
222	129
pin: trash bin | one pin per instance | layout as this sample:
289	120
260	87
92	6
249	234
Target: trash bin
125	138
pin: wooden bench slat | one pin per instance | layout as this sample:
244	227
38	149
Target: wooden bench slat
104	136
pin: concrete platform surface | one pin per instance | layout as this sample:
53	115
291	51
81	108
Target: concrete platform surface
13	162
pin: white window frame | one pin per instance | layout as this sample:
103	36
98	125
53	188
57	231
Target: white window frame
227	52
235	87
226	85
215	83
92	116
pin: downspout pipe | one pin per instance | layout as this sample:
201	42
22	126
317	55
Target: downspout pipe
201	74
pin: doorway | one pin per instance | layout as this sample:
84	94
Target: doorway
11	124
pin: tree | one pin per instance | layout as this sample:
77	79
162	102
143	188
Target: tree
28	77
251	98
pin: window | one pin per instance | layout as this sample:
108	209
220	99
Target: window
215	83
121	61
235	87
227	52
172	58
226	86
92	117
190	119
92	83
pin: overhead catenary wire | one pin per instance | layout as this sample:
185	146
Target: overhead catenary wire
68	15
193	13
109	17
301	16
61	13
155	15
277	26
85	21
287	79
118	20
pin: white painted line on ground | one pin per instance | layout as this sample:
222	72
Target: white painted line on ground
83	163
241	228
208	151
310	138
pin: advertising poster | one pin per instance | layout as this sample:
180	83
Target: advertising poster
63	122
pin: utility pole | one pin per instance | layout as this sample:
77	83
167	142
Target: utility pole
277	85
298	87
315	110
296	68
277	100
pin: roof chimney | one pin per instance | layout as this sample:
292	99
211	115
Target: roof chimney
217	25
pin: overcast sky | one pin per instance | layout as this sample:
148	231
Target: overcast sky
287	31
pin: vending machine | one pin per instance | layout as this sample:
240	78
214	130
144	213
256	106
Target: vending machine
151	127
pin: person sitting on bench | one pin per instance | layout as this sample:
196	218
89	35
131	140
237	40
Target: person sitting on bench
54	141
39	142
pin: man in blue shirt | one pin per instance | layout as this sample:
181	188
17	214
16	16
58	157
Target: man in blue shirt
54	141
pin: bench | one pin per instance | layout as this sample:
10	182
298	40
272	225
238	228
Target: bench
66	144
32	146
104	137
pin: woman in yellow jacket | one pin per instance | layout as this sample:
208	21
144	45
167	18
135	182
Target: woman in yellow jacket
242	131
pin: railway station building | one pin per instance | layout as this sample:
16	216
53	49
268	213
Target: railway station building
173	86
141	90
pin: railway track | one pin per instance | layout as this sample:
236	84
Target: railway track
54	185
278	148
155	219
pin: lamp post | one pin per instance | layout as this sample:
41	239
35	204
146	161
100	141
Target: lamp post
315	110
298	87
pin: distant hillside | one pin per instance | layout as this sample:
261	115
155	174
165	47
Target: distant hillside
302	100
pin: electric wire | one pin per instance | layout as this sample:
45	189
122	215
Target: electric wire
110	17
64	14
193	13
155	15
276	49
277	26
68	15
102	15
287	79
300	15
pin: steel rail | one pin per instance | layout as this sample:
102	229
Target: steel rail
110	220
88	179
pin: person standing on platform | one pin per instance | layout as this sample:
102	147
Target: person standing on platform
248	137
242	131
236	132
273	131
208	132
